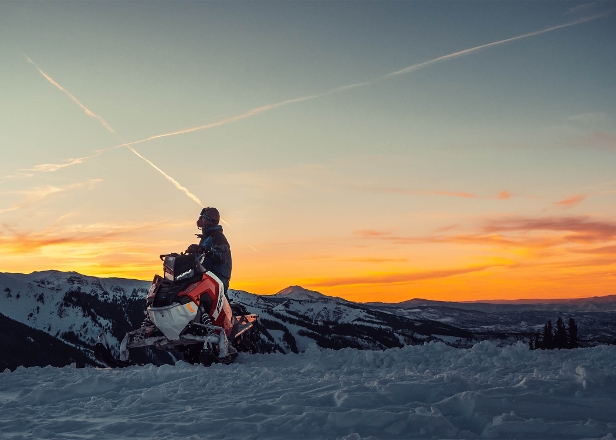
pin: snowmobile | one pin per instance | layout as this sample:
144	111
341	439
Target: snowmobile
188	311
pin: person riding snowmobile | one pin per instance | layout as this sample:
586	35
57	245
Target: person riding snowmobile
188	309
214	245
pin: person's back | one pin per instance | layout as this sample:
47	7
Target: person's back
214	245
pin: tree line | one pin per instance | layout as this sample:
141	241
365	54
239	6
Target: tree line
559	337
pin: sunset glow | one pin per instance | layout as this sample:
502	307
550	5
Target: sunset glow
371	151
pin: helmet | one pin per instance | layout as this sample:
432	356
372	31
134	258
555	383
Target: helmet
211	214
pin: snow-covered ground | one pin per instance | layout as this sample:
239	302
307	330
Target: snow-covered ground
429	391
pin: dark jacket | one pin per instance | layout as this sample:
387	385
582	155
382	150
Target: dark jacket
217	253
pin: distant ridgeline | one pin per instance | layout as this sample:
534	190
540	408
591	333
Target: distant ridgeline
54	318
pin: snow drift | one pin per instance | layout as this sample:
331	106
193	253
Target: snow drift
428	391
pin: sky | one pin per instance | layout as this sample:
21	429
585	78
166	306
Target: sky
372	150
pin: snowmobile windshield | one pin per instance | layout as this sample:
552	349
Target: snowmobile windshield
179	267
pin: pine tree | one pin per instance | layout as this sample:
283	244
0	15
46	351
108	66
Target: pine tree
574	342
561	339
538	343
548	336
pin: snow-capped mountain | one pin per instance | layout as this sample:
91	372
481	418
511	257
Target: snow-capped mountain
299	293
291	325
595	317
75	309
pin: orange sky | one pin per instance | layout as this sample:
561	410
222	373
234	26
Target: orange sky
507	258
373	151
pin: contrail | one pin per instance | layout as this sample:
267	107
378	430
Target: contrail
265	108
112	131
75	100
336	90
254	111
169	178
485	46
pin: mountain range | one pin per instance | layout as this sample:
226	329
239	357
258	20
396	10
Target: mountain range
55	318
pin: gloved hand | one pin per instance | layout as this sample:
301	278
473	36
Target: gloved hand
194	249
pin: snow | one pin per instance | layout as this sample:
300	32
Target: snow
428	391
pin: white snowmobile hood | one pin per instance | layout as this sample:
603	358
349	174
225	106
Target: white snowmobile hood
171	320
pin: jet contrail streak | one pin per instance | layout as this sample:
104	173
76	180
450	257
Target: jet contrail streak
112	131
265	108
408	69
254	111
169	178
485	46
75	100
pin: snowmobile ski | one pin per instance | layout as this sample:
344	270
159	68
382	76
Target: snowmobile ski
103	354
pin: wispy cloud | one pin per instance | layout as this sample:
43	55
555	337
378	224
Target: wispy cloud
503	195
87	235
591	118
518	232
376	260
34	195
601	250
393	278
600	139
571	200
371	233
584	7
580	228
371	260
51	167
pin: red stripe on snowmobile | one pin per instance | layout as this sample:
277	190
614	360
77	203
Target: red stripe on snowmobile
221	310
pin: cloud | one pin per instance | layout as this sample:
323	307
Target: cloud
583	7
17	242
371	233
571	200
515	232
37	194
581	228
601	139
51	167
589	118
393	278
371	260
503	195
18	175
602	250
